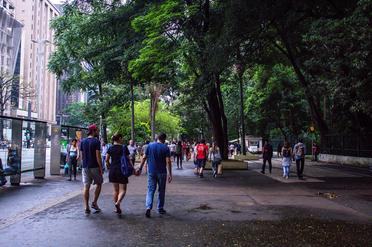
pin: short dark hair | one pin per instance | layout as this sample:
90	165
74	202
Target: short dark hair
116	137
202	141
162	137
300	140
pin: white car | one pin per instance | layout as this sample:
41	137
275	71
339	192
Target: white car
253	149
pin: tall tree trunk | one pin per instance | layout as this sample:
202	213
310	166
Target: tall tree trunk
216	117
315	109
155	92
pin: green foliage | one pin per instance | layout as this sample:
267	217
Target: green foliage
119	121
275	101
80	114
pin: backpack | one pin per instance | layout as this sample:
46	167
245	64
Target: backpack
126	168
286	153
300	150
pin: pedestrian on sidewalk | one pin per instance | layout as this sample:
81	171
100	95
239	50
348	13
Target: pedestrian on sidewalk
116	177
201	157
299	152
132	151
279	149
287	159
316	151
92	167
215	158
267	154
159	172
143	151
179	155
3	180
172	148
104	149
72	158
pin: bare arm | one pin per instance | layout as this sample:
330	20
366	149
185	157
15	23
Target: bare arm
169	169
108	161
99	160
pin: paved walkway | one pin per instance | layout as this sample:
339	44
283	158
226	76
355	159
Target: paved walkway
331	207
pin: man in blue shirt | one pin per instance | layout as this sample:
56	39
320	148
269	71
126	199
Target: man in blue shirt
90	149
159	171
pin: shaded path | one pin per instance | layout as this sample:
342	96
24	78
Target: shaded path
243	208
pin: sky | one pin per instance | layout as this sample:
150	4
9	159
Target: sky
57	1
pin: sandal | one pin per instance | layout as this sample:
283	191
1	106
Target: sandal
118	209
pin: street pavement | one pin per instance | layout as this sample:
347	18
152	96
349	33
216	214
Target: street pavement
331	207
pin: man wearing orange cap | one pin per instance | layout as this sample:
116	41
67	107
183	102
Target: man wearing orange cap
92	167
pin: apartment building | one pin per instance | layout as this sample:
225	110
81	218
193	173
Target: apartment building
10	41
36	48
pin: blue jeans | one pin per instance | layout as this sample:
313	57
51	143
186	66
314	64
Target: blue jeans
153	180
286	171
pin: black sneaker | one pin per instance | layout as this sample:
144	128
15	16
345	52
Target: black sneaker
148	213
87	211
263	172
201	175
162	211
95	207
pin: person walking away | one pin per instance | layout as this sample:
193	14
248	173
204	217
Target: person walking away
196	170
103	154
144	148
299	152
3	180
231	148
215	158
116	177
188	153
201	157
287	159
184	150
132	151
72	158
279	149
179	155
159	172
238	149
92	167
267	154
172	148
316	151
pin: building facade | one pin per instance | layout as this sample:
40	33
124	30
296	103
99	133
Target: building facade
36	48
10	41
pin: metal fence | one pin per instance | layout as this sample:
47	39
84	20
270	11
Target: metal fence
348	145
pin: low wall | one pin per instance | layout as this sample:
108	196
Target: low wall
346	160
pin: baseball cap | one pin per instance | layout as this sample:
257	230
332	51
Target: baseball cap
92	127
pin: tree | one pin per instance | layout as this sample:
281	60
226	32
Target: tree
119	121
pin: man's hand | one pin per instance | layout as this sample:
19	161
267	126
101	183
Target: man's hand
169	178
137	172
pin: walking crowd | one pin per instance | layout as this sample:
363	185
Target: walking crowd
119	160
156	161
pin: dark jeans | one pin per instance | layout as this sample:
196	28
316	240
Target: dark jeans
300	163
179	160
268	160
154	180
72	167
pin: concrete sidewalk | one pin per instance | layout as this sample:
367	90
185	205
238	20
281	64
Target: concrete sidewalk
242	208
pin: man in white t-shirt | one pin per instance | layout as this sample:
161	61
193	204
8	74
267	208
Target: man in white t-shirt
172	148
